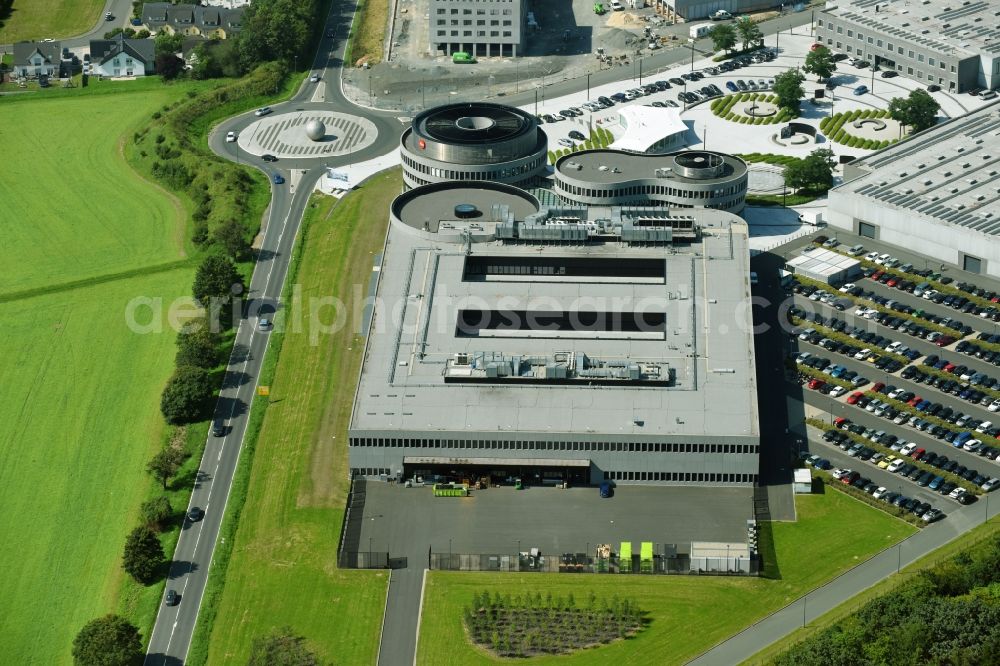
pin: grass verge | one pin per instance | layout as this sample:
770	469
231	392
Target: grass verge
41	19
366	42
832	534
278	563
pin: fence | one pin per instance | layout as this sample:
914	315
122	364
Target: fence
581	563
350	525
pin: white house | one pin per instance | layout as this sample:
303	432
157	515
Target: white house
123	57
32	59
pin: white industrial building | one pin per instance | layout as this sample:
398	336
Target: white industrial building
937	193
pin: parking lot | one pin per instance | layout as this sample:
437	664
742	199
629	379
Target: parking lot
408	521
927	403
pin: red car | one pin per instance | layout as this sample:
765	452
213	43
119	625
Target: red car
944	341
877	274
878	386
948	367
914	400
854	397
816	384
917	453
841	422
891	282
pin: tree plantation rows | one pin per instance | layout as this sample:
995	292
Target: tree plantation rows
529	625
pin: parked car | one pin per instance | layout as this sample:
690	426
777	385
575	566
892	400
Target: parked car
861	90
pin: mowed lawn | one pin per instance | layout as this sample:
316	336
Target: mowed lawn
72	208
80	415
283	567
39	19
78	422
688	614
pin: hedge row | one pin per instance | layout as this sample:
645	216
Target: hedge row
723	107
833	127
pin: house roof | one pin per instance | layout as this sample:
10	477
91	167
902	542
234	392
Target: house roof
25	50
158	14
103	50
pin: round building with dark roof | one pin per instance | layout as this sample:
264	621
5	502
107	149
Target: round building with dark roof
475	141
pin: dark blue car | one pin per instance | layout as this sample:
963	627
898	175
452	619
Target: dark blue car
732	86
606	490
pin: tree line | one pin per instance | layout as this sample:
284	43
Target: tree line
947	614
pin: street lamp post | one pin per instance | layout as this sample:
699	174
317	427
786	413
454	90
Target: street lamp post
536	101
874	69
640	72
588	86
691	42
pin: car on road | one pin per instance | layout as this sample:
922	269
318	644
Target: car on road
262	111
231	137
268	157
861	90
278	179
172	598
314	78
264	324
218	428
195	514
606	490
108	16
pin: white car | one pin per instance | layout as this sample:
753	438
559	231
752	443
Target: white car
863	354
984	426
880	492
990	484
896	465
871	256
994	406
616	6
837	391
847	287
882	258
231	137
262	111
314	78
894	346
908	449
930	293
972	445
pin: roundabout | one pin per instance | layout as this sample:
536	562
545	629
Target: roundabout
310	133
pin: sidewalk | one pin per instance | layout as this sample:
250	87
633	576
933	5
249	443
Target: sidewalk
824	599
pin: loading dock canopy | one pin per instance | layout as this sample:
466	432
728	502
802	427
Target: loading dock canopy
493	462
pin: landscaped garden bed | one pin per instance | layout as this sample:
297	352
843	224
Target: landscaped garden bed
734	108
839	128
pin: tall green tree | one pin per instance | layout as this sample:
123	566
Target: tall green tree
749	33
723	37
165	464
275	30
156	512
814	172
282	647
186	395
788	89
198	345
231	236
143	554
820	62
216	277
107	641
918	110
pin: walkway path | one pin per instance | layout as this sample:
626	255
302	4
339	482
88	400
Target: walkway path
822	600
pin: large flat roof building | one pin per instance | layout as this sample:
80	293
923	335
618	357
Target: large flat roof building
937	193
577	344
951	43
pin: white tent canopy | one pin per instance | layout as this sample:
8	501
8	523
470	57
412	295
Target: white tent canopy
646	126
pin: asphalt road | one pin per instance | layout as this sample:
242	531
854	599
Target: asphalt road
189	570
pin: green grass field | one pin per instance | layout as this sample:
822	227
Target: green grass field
73	209
688	614
283	567
80	416
79	420
40	19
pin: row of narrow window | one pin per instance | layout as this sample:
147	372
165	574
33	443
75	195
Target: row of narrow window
690	477
528	445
